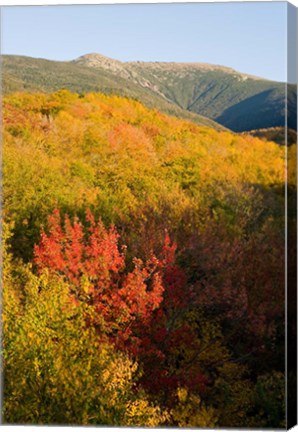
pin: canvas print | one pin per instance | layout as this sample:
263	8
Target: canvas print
149	215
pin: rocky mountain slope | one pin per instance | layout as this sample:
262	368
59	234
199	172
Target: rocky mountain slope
237	101
21	73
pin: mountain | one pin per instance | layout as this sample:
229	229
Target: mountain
235	100
28	74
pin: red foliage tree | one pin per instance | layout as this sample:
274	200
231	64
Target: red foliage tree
90	260
141	311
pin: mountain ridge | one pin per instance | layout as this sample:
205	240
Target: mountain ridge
96	57
236	101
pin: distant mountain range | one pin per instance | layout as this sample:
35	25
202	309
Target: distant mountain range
210	95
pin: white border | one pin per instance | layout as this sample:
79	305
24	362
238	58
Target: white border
96	2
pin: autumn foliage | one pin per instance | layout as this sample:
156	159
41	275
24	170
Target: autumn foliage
90	261
143	267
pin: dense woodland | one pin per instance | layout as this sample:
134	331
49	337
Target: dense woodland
143	267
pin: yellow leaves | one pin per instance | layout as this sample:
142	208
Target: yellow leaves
51	355
131	144
141	413
119	373
36	365
145	171
69	130
190	412
115	154
182	394
85	284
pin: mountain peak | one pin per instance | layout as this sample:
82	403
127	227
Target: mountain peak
99	61
94	57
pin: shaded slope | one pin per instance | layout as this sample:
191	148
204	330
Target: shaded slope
257	112
219	93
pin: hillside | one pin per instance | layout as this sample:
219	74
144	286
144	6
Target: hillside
35	75
143	267
237	101
114	153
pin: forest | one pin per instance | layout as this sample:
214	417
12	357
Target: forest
143	267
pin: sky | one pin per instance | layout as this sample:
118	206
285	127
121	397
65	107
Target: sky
249	37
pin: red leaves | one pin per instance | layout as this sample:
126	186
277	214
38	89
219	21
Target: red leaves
142	298
48	254
90	260
140	310
74	251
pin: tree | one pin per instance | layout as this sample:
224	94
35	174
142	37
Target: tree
57	369
89	259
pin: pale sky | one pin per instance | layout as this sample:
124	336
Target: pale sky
249	37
